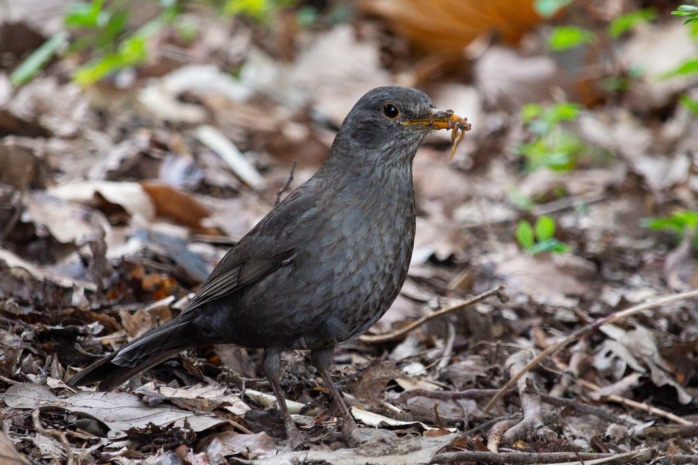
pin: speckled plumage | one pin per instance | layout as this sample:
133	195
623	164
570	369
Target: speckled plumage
320	268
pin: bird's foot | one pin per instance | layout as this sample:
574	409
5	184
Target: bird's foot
348	427
295	437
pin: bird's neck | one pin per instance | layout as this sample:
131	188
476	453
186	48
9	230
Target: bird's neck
365	182
371	202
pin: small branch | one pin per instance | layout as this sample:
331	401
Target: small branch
588	329
448	395
636	405
679	459
671	431
215	140
55	434
16	203
288	183
579	407
8	380
559	458
499	291
448	348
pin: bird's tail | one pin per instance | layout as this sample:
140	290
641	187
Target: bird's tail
145	352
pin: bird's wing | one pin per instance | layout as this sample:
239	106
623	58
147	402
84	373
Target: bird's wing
267	247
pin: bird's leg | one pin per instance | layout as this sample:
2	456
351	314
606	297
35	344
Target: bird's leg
272	368
322	359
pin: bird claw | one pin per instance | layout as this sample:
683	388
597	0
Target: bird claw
295	438
348	427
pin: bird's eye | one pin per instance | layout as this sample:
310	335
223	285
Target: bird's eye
391	111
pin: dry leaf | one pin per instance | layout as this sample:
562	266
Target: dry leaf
178	206
450	25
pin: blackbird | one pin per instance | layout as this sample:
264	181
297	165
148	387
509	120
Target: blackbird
321	267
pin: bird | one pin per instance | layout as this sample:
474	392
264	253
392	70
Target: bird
321	267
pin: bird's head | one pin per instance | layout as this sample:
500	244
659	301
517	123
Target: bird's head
388	124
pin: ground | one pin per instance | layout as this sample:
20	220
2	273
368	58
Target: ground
565	223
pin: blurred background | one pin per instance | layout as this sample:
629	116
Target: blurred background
140	139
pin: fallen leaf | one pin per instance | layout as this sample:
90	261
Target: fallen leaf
228	443
407	451
549	278
450	25
129	195
9	454
120	411
178	206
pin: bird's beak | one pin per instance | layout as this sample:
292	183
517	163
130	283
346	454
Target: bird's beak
444	119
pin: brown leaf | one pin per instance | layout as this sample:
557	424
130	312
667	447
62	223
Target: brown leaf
178	206
450	25
9	454
228	443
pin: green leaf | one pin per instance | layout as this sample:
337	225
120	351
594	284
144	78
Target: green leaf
564	111
689	103
687	67
628	21
567	37
545	228
693	28
34	62
678	221
524	235
550	245
548	8
257	9
689	218
133	50
558	161
520	200
109	33
530	111
94	71
687	11
86	15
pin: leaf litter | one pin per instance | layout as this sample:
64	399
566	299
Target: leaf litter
117	201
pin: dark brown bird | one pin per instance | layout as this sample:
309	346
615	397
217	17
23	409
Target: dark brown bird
322	267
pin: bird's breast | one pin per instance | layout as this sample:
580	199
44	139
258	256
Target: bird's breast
371	261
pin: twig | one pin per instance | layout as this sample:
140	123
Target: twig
542	209
16	203
636	405
448	395
448	347
550	400
582	408
622	400
54	433
379	338
679	459
288	183
588	329
671	431
231	155
564	204
538	457
8	380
